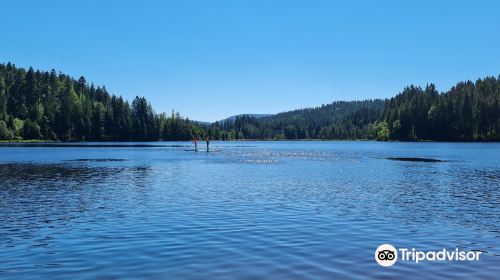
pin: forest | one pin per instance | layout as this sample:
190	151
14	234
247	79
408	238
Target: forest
52	106
41	105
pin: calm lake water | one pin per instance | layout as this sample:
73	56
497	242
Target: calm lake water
249	210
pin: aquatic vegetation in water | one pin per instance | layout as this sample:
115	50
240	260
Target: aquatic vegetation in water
415	159
97	160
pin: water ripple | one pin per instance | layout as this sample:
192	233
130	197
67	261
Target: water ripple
288	210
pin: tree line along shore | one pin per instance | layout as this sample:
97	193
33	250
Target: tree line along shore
49	106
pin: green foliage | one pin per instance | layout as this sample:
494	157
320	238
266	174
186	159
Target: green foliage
47	105
467	112
338	120
17	126
382	131
5	133
31	130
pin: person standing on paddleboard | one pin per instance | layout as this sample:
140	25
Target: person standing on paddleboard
195	141
208	142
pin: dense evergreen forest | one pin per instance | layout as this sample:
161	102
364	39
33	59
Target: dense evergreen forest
338	120
53	106
467	112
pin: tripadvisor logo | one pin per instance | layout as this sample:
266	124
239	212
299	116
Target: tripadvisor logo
387	255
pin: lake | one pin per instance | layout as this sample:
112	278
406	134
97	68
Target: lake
247	210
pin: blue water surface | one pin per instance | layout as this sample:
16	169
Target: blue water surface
246	210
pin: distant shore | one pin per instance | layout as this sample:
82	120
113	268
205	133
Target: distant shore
245	140
28	141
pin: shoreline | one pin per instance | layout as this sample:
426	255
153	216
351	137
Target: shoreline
247	140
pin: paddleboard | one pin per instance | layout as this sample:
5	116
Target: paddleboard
193	150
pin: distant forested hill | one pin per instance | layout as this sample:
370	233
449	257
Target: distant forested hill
338	120
50	106
470	111
233	118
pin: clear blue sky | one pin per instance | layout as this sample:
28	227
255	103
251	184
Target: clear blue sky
211	59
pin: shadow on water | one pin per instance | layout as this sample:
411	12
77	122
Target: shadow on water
26	172
415	159
96	160
56	196
90	145
71	173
